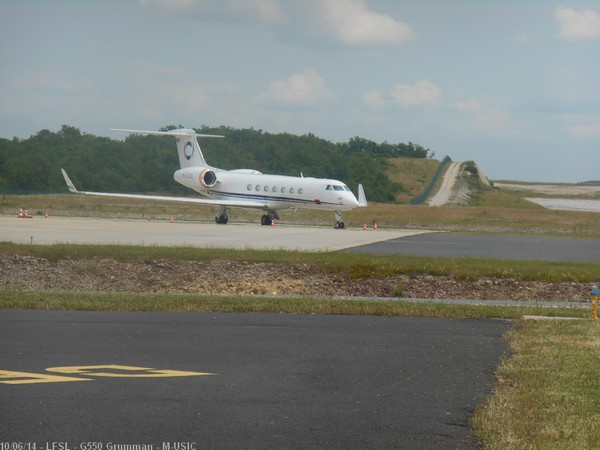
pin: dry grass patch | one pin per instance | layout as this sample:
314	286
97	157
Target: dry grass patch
548	391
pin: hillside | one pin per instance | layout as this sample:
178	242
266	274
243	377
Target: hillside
413	174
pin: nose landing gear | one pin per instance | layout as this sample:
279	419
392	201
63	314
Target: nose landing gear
339	223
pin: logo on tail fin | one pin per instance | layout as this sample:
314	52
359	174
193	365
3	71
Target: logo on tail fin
188	151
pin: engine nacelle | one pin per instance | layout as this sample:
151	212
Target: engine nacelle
197	178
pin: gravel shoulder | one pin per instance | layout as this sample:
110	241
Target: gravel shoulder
28	273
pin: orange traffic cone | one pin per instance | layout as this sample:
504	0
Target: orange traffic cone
21	213
376	227
272	223
46	215
172	220
365	227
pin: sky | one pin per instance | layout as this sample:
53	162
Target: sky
513	85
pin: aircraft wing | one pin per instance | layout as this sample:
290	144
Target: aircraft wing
230	203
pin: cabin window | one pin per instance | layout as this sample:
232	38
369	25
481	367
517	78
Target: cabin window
300	191
266	188
291	190
249	187
257	188
283	190
274	189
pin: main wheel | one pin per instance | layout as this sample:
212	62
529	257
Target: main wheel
266	220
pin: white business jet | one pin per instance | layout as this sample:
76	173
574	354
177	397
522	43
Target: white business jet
245	188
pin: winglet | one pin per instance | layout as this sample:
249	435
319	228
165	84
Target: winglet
362	198
70	184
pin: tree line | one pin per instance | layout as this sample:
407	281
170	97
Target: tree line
145	164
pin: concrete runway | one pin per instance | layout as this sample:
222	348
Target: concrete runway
242	380
252	236
77	230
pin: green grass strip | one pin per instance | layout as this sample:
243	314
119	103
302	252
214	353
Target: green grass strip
96	301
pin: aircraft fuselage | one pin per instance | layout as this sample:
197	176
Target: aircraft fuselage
276	192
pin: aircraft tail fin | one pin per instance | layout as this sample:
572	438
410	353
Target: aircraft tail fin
188	149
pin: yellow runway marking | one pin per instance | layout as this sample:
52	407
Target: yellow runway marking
10	377
81	372
117	371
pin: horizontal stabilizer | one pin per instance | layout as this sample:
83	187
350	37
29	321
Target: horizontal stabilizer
178	132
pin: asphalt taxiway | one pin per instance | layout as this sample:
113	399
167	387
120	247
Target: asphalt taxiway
242	380
456	245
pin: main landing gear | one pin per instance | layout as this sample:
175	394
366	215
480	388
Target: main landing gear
222	218
267	219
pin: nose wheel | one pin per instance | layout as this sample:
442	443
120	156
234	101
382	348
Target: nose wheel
339	223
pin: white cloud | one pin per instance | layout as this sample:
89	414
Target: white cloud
353	23
471	105
421	93
373	100
577	26
493	118
583	127
259	10
306	88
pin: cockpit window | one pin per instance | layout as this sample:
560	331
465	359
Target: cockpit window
338	188
329	188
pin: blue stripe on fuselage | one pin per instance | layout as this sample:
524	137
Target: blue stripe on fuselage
266	198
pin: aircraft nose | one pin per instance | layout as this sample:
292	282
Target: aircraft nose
350	199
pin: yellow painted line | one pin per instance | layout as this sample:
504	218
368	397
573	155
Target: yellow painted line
80	372
117	371
10	377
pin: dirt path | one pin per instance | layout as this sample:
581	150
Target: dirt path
444	194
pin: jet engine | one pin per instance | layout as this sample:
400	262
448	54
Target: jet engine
207	178
197	178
